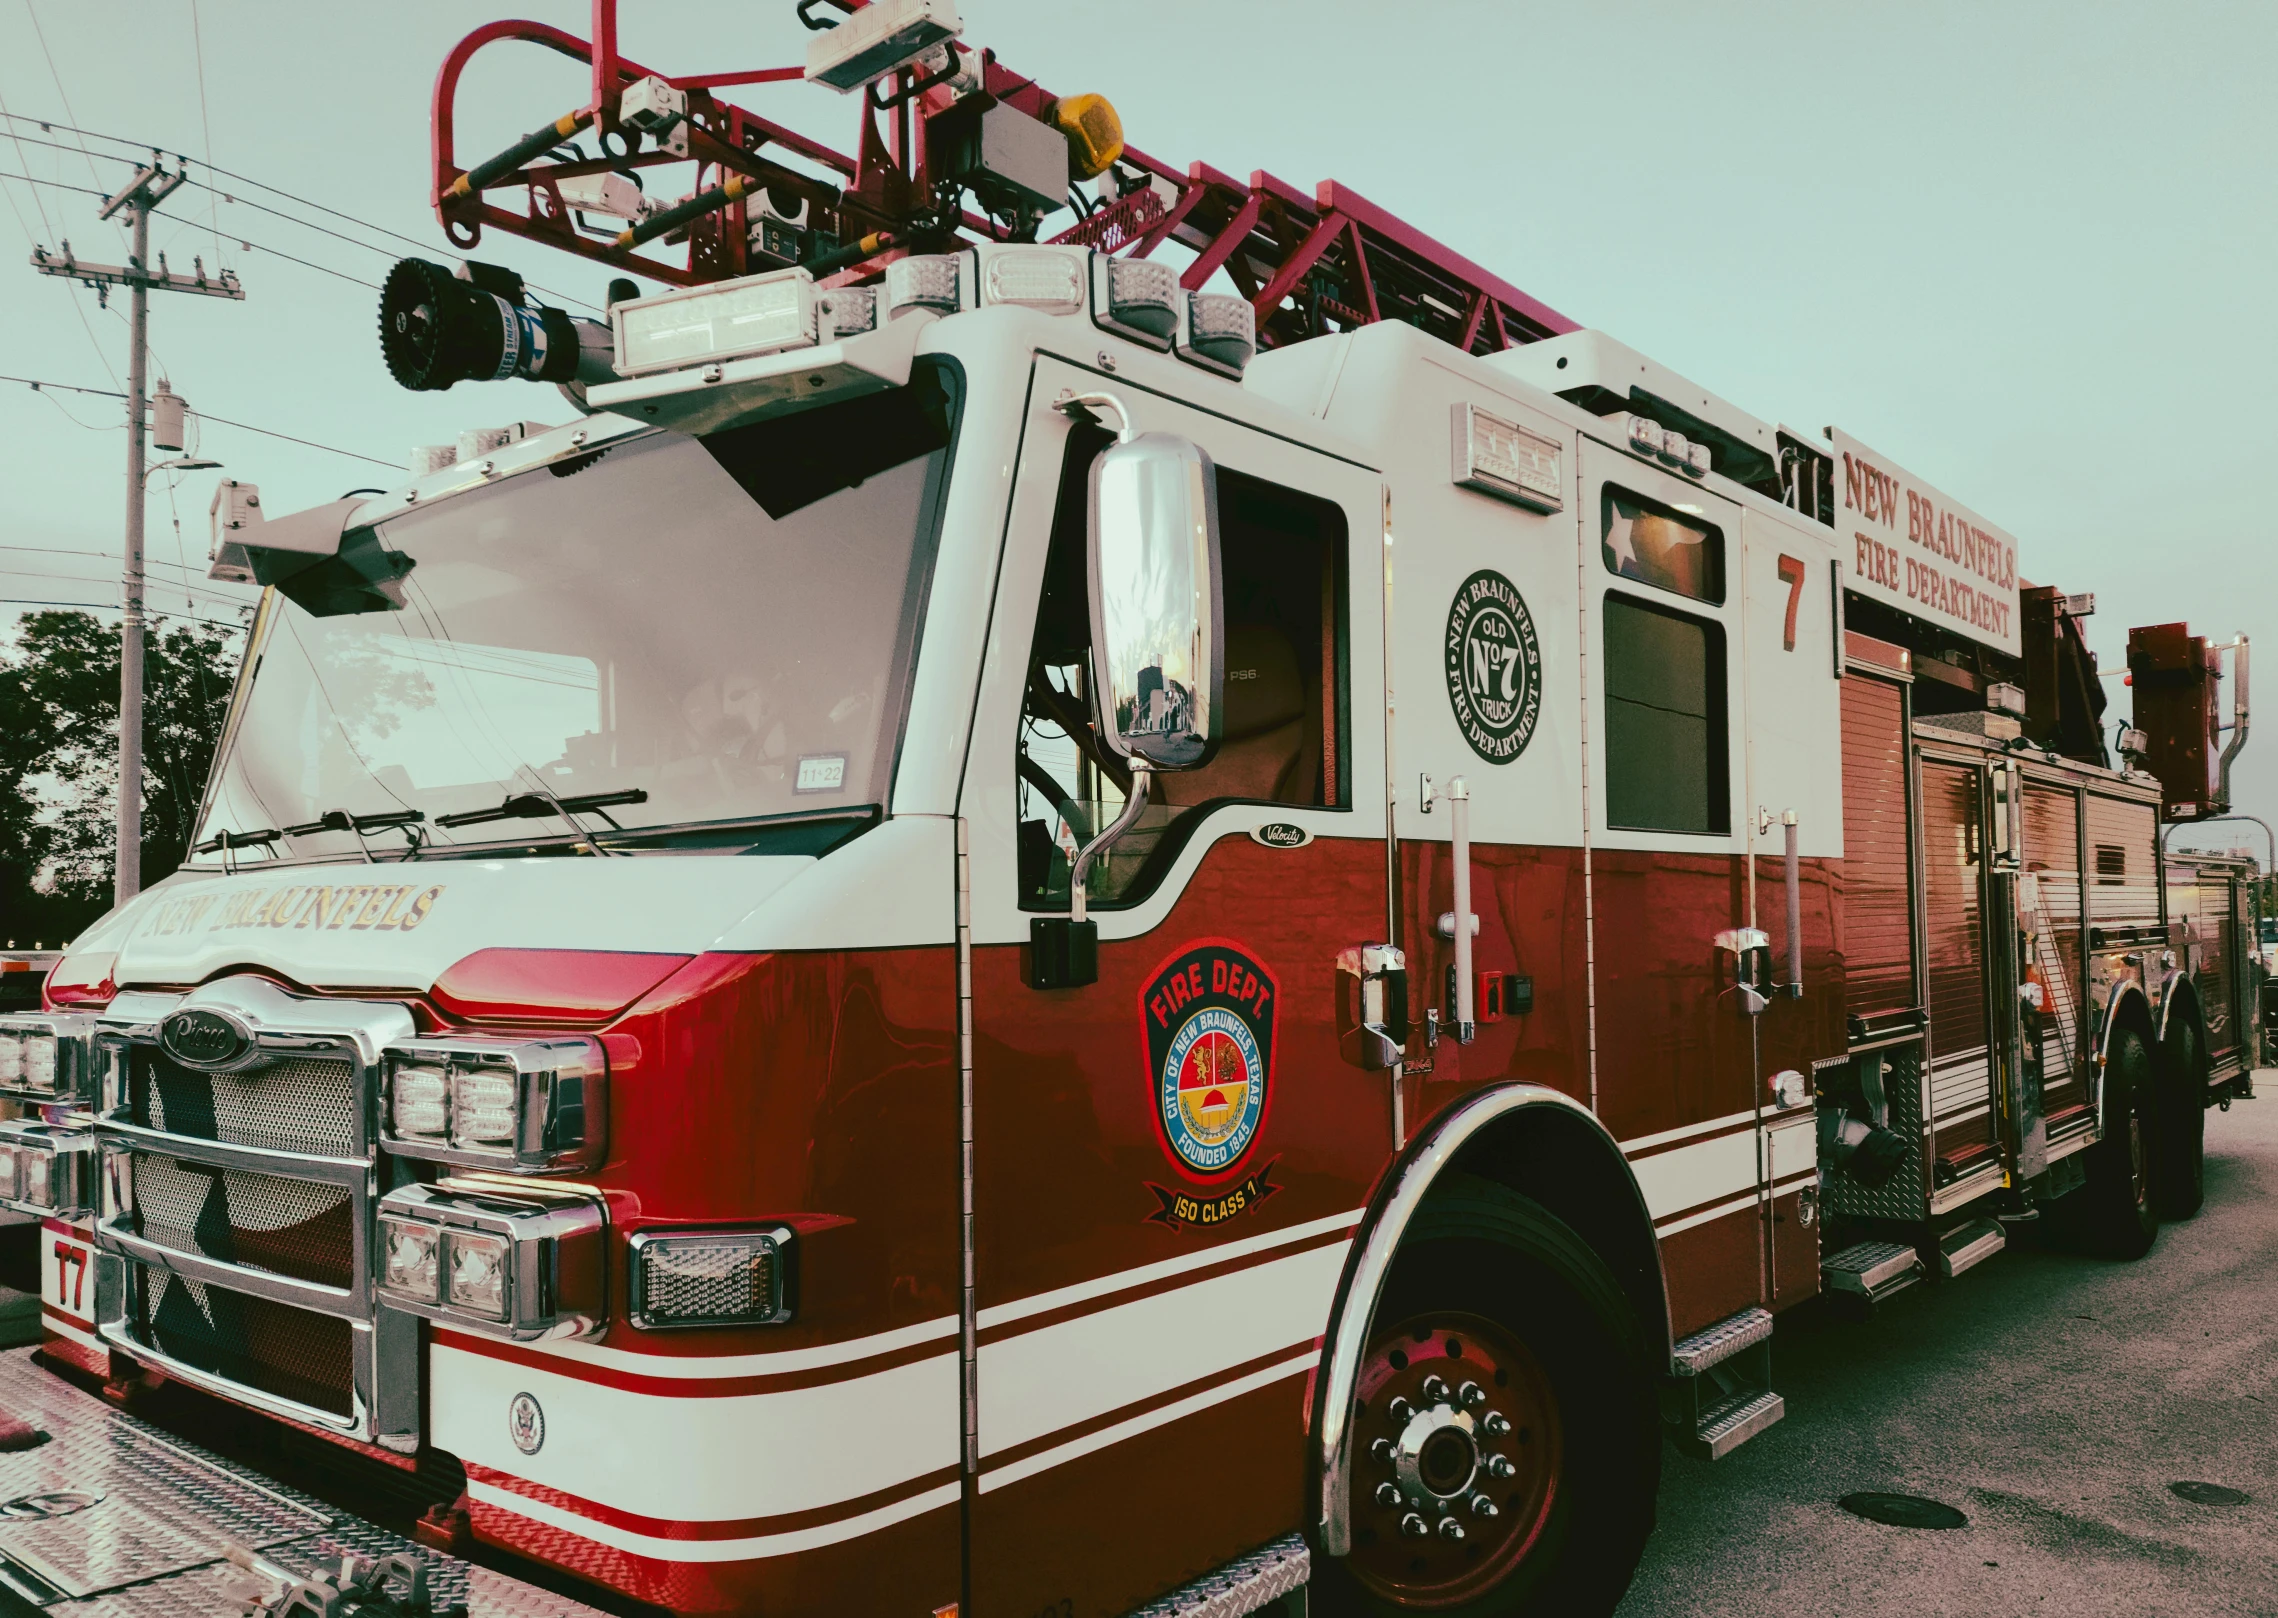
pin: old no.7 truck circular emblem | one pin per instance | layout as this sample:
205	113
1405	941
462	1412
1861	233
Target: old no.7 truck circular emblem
1494	667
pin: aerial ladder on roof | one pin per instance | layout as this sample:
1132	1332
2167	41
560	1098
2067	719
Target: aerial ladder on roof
954	148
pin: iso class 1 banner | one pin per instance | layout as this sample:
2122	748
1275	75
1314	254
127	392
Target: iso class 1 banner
1919	550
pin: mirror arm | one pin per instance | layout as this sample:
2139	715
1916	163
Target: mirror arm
1063	711
1087	406
1142	777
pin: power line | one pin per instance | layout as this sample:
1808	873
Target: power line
38	386
306	265
61	94
290	196
265	432
106	606
68	387
205	120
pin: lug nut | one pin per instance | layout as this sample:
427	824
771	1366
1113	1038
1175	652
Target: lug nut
1388	1494
1413	1526
1500	1466
1401	1412
1496	1424
1450	1528
1435	1390
1481	1506
1381	1451
1471	1395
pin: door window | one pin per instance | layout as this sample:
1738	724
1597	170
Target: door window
1285	708
1661	545
1665	720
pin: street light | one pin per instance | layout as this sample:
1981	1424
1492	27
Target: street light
186	463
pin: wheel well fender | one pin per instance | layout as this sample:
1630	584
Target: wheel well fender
2128	1007
1539	1142
2180	999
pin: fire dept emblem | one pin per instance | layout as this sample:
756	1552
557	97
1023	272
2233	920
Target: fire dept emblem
1209	1015
1494	667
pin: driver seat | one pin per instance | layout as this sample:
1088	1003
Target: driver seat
1268	748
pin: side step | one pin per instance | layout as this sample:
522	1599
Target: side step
1967	1246
1719	1392
1871	1271
1276	1571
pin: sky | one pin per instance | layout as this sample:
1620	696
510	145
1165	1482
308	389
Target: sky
2024	250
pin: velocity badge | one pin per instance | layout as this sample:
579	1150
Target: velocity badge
1209	1015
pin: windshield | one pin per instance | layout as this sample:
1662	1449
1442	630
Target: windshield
691	631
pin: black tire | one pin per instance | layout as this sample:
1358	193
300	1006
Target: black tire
2181	1183
1480	1250
2116	1215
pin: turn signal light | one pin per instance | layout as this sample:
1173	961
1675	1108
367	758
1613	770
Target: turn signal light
710	1278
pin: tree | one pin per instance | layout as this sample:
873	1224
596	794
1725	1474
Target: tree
59	730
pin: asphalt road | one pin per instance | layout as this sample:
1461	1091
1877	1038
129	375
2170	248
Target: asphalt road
2053	1399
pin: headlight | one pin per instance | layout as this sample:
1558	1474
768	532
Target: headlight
414	1265
45	1060
478	1271
527	1106
420	1101
525	1265
710	1278
45	1169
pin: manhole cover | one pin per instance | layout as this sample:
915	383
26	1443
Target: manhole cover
2208	1494
1903	1510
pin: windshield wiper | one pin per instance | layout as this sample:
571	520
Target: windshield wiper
225	838
362	825
541	804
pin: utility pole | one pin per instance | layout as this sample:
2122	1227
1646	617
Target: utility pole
151	185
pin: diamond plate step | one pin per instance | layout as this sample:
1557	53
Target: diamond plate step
1967	1246
1871	1269
1715	1344
113	1518
1730	1423
1272	1571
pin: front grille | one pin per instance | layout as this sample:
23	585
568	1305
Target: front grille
297	1228
280	1350
299	1104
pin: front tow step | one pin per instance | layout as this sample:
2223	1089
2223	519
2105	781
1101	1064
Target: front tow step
1719	1392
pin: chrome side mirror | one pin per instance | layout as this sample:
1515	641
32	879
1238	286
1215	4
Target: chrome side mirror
1158	621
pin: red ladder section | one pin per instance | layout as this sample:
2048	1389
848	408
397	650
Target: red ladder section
1307	264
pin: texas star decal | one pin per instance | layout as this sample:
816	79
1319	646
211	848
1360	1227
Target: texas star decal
1209	1014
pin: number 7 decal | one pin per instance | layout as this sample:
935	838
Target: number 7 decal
1791	574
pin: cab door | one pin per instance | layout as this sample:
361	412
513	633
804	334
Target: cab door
1792	657
1676	1059
1167	1162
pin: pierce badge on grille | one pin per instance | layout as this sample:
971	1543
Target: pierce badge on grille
201	1036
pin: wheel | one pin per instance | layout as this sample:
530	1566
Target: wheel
2114	1213
1506	1436
2181	1181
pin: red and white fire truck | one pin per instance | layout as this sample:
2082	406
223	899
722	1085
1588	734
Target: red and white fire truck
1012	937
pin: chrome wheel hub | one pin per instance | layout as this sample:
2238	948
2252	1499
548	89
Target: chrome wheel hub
1459	1460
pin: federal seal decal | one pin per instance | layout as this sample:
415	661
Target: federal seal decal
1494	667
526	1423
1209	1017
